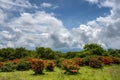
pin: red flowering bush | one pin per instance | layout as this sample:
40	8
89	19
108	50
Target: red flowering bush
116	60
79	61
1	64
95	62
37	66
15	61
49	65
106	60
70	67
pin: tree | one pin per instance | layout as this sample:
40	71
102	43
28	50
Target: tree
7	53
20	52
94	49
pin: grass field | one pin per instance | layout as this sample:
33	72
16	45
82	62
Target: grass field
85	73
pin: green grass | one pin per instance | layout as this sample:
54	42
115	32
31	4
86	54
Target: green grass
85	73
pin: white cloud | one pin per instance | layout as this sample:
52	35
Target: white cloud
46	5
8	4
44	29
92	1
38	29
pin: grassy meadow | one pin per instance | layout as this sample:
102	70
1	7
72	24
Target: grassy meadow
85	73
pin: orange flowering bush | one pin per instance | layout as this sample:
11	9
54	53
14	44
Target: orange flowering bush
70	67
37	66
15	61
106	60
95	62
1	64
79	61
116	60
49	65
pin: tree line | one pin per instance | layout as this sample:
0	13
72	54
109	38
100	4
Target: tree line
47	53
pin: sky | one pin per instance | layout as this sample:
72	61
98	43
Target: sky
59	24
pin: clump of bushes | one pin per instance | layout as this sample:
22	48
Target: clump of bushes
15	61
37	66
23	66
106	60
1	64
70	67
79	61
7	67
94	62
116	60
49	65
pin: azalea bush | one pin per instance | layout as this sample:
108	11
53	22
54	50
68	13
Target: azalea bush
70	67
116	60
49	65
79	61
106	60
94	62
37	65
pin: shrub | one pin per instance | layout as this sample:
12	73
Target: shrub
23	66
95	62
1	64
86	61
7	67
116	60
79	61
37	66
70	67
15	61
49	65
106	60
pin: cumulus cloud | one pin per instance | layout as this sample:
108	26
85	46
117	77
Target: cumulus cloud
48	5
92	1
44	29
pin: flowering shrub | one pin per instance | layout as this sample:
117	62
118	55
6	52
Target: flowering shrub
70	67
15	61
95	62
1	64
49	65
106	60
116	60
37	66
79	61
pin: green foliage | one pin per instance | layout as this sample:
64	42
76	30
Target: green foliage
7	54
8	67
70	55
23	66
20	52
114	52
45	53
94	49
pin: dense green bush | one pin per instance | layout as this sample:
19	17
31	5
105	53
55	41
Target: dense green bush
23	66
7	67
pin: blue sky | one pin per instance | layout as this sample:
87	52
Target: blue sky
59	24
74	12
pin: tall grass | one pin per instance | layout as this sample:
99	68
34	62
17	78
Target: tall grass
85	73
